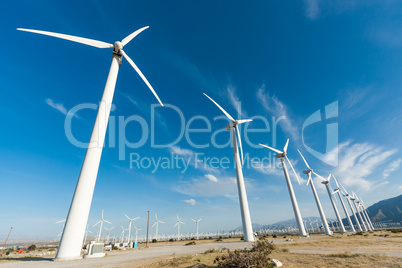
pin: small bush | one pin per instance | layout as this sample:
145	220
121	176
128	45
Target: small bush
154	240
257	256
115	248
242	238
211	251
285	250
171	240
274	236
359	233
52	249
190	243
219	239
284	236
31	247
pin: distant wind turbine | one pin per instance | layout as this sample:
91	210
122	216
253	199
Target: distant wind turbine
136	233
327	184
317	199
359	206
108	234
156	224
349	198
70	243
101	224
338	190
281	155
64	222
178	227
244	209
196	225
129	226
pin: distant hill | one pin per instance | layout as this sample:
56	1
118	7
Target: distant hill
388	210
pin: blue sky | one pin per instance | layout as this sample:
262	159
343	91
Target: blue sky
277	58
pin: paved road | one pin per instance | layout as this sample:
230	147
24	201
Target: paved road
115	258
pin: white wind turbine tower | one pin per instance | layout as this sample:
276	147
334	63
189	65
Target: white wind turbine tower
338	190
178	227
70	243
101	224
366	213
156	224
326	182
296	209
317	199
353	198
136	233
108	234
122	234
244	209
349	197
64	223
196	225
129	226
360	206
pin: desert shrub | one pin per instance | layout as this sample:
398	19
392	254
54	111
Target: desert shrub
274	236
192	238
395	231
285	250
211	251
31	247
171	240
257	256
219	239
52	249
242	238
190	243
284	236
115	248
154	240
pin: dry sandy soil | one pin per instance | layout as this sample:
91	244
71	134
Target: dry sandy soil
374	249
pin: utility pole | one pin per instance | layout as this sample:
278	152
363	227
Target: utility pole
147	230
6	241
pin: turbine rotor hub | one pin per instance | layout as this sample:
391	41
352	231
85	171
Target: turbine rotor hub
231	125
118	46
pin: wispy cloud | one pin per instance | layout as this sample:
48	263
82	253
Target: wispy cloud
182	152
224	186
395	165
190	201
312	9
57	106
358	163
274	106
190	157
235	101
211	177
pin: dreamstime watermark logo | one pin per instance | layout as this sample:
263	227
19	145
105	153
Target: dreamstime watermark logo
146	136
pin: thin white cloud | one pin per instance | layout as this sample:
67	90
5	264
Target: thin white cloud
224	187
235	101
57	106
190	157
179	151
395	165
211	177
274	106
312	9
358	164
190	201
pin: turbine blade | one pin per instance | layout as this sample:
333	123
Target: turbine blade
193	220
126	40
273	149
107	221
308	181
227	115
154	224
305	162
96	223
200	220
286	146
85	41
127	217
161	221
141	75
329	177
297	177
240	145
321	177
176	224
61	221
243	121
135	218
112	228
336	181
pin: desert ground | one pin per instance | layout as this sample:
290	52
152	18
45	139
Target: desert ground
381	248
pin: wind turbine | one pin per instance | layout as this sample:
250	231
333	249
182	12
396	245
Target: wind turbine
244	209
178	227
296	209
101	224
129	226
338	190
156	224
326	182
70	243
317	199
366	213
64	223
353	198
108	234
196	225
136	233
360	206
349	197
